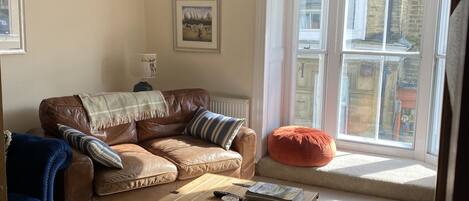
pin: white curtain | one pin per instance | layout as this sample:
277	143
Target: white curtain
456	51
455	63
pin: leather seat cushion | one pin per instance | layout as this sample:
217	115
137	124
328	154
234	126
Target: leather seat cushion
194	157
141	169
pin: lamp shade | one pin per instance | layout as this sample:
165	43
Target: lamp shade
148	66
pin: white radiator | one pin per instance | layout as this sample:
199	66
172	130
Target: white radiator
232	107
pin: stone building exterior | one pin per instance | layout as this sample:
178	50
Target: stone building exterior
404	20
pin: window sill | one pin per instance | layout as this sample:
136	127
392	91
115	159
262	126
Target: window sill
362	173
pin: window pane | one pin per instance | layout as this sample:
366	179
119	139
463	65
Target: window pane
404	29
310	24
308	96
351	15
378	99
368	24
383	25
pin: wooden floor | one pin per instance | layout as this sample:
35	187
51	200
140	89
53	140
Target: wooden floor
199	188
203	187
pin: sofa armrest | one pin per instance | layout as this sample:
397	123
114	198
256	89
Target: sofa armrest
245	144
78	177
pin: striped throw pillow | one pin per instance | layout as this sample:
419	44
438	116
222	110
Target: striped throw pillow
91	146
213	127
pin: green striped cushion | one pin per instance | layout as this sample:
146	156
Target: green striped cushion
91	146
214	127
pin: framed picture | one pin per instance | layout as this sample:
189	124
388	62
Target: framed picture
12	27
197	25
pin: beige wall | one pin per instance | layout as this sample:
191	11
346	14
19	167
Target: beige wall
227	73
87	45
73	46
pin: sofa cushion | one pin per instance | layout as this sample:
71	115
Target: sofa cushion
194	157
91	146
213	127
182	105
141	169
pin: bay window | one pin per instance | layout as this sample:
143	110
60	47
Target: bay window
371	72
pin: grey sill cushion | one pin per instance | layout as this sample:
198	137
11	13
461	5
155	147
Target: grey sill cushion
91	146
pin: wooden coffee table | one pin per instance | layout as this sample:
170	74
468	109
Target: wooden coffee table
202	189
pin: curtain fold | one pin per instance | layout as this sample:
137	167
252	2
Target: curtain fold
456	51
455	63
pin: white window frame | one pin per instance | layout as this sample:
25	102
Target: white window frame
333	50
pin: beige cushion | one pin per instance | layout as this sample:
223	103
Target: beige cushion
194	157
141	169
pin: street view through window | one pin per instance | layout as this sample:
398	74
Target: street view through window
379	78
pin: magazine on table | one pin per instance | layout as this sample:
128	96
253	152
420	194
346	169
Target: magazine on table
273	192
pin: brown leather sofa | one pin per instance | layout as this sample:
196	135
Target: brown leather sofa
157	158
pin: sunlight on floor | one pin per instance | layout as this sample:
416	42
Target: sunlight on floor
384	168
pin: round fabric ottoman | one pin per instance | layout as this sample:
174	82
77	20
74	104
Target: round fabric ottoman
301	146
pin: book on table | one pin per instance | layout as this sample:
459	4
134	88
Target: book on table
262	191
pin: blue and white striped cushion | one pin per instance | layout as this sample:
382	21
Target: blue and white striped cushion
91	146
213	127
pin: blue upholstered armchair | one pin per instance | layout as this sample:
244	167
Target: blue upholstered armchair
32	165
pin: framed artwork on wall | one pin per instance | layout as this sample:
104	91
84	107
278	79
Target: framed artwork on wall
12	31
196	25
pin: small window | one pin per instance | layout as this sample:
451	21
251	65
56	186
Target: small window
310	20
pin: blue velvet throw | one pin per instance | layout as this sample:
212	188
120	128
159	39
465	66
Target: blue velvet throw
32	165
20	197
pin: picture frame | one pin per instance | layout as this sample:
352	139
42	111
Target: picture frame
12	27
196	25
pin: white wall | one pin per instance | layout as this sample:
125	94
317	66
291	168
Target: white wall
270	114
73	46
227	73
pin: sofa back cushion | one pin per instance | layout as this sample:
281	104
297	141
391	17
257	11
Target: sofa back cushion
69	111
182	106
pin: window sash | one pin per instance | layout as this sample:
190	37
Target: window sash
333	43
440	58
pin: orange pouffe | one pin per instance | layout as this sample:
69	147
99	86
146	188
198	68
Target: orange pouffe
301	146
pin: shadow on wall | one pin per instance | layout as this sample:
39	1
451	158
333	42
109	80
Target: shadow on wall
118	56
113	72
113	64
29	118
